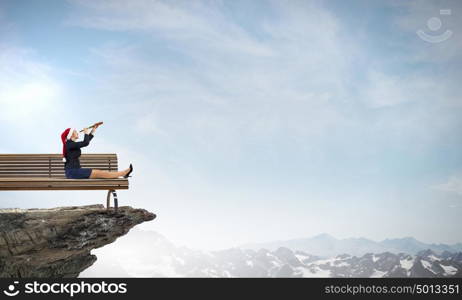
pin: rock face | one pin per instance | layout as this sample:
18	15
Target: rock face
57	242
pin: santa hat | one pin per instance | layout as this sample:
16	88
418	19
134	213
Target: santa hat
66	135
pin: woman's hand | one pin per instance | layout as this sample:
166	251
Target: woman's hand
94	129
85	130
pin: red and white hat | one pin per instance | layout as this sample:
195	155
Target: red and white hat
66	135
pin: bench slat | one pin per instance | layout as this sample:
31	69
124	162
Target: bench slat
61	184
52	184
25	168
45	172
35	167
52	170
13	170
57	183
101	167
70	188
99	161
39	172
53	160
51	165
55	155
47	179
61	168
31	176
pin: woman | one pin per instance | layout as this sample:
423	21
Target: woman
72	152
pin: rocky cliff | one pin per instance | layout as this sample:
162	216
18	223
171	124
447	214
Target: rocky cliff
57	242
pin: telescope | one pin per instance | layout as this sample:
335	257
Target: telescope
96	124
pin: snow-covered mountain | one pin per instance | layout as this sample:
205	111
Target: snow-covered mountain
327	245
149	254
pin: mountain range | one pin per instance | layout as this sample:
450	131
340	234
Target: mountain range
327	245
149	254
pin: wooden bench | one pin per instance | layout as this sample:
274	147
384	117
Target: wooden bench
45	172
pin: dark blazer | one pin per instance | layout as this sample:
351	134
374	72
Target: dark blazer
73	152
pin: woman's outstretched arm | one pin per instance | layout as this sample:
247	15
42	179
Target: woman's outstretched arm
74	145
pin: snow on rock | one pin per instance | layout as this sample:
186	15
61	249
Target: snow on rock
314	272
378	274
407	263
427	265
449	270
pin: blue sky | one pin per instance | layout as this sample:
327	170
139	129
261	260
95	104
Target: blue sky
247	121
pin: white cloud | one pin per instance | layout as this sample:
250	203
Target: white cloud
34	109
302	87
239	83
305	85
453	185
26	87
147	125
385	90
183	20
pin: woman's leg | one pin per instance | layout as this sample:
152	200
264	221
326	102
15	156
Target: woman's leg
95	174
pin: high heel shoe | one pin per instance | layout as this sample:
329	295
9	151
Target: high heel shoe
129	172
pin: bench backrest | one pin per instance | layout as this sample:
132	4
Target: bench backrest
50	165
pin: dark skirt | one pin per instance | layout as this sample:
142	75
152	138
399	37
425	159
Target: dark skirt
81	173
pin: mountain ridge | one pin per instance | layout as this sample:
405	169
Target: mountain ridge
149	254
326	245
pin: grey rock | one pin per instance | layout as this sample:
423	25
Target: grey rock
56	242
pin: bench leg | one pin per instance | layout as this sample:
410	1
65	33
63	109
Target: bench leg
108	201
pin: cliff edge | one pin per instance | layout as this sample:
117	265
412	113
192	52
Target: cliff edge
56	242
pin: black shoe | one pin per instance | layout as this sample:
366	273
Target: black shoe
131	170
